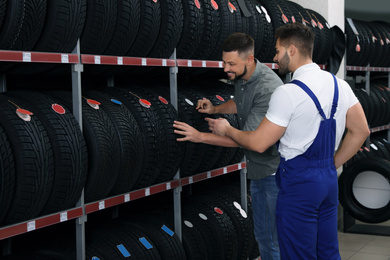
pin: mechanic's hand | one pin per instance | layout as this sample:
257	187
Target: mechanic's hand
205	106
218	126
190	133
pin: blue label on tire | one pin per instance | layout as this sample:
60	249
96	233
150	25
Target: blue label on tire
145	243
123	250
167	230
95	258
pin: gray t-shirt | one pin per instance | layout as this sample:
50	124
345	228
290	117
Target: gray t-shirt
252	98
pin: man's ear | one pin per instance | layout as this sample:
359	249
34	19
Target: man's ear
251	58
291	50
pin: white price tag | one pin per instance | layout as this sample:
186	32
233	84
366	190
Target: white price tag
64	58
239	166
101	205
221	64
189	63
164	62
120	60
64	216
127	197
204	64
191	180
168	185
224	170
147	191
27	56
97	59
208	175
143	62
31	226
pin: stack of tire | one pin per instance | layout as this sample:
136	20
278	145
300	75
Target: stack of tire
367	43
376	103
214	226
127	143
364	188
43	156
196	29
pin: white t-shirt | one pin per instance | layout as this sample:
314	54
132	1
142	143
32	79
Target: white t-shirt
291	107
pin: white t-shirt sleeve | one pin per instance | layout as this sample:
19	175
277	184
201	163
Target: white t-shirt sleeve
280	108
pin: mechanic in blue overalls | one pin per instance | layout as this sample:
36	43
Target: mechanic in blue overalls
308	117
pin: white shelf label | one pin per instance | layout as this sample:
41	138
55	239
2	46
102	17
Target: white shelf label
189	63
224	170
63	216
164	62
147	191
190	180
204	64
97	59
239	166
143	62
120	60
101	205
221	64
208	175
64	58
168	185
30	226
127	197
27	56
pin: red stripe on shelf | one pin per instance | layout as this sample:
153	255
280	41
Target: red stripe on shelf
41	57
45	221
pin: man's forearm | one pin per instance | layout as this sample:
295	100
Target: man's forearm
213	139
228	107
349	146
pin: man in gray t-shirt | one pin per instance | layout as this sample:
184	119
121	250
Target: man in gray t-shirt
254	84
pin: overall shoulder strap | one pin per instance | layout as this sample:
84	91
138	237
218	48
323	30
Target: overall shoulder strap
311	95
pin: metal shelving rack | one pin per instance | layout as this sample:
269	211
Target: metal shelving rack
81	210
350	225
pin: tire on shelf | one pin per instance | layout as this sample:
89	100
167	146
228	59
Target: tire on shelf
69	149
242	223
130	140
219	222
33	157
153	137
119	241
172	158
7	174
23	24
100	23
102	146
129	13
163	237
62	28
3	8
193	22
193	243
364	190
210	153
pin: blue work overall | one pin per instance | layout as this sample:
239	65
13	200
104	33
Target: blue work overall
306	211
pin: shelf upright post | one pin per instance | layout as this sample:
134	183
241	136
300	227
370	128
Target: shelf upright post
177	191
77	111
3	83
243	187
368	92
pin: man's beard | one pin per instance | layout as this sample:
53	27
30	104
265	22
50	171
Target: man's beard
241	75
283	65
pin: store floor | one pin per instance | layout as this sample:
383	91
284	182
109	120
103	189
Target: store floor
364	247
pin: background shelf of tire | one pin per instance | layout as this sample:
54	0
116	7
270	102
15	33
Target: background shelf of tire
87	208
367	173
90	59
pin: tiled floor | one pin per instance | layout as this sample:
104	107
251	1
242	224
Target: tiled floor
364	247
